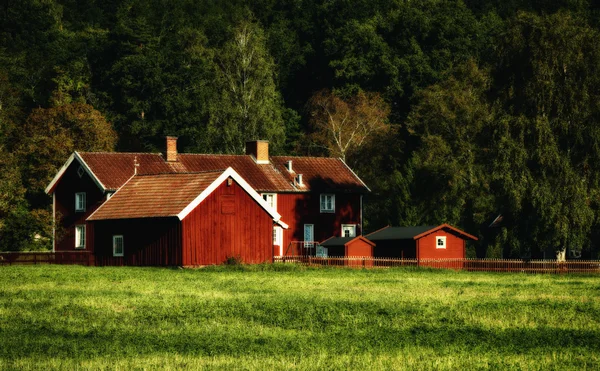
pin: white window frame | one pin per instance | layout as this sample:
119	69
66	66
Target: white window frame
80	201
273	199
437	241
323	203
80	236
115	238
277	235
346	226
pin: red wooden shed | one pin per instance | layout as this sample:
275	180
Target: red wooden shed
183	219
350	247
422	242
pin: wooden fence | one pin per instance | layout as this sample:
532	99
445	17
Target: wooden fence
484	265
58	257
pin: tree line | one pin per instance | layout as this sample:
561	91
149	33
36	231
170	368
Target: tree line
451	111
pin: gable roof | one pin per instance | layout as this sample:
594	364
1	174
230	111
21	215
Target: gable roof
343	241
397	233
110	170
170	195
412	233
321	173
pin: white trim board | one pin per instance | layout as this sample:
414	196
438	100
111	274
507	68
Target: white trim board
229	172
64	168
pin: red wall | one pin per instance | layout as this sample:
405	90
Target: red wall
297	209
455	246
147	241
360	249
228	223
67	218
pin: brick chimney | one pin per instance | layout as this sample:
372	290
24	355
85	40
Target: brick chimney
259	149
171	149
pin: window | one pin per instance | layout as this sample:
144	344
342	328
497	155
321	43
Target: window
118	248
309	235
271	199
277	236
440	242
80	236
80	171
348	230
327	203
80	201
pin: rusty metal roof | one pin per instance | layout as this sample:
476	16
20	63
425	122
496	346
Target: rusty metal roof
162	195
113	169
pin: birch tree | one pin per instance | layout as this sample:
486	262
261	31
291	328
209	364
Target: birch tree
342	127
247	104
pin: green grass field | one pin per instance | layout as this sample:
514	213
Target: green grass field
285	317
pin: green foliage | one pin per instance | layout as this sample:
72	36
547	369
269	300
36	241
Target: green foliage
493	105
268	317
246	105
50	135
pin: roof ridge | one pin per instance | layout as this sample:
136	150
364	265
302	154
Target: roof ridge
317	157
119	153
185	173
210	154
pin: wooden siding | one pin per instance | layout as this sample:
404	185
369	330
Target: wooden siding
455	246
146	241
66	216
297	209
228	223
403	249
359	248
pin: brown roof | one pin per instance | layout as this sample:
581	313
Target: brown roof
163	195
113	169
321	173
262	177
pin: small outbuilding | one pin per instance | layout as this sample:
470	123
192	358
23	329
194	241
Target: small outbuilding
350	247
421	242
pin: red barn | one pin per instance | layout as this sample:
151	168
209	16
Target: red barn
423	242
316	197
183	220
350	247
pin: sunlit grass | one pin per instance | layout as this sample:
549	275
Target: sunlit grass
284	317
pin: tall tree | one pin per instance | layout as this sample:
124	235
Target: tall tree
451	122
247	104
50	135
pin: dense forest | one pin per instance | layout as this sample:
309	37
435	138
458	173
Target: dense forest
451	111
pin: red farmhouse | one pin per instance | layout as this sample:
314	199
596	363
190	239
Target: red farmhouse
425	242
184	220
315	197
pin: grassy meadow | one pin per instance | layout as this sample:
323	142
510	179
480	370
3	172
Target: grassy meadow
287	317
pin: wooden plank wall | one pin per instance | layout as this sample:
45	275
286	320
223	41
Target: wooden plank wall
455	248
147	241
228	223
65	205
297	209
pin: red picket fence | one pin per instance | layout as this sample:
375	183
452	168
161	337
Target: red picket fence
37	257
484	265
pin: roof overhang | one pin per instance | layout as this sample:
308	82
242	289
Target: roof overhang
75	156
448	226
353	173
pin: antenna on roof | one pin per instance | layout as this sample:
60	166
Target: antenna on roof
135	165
